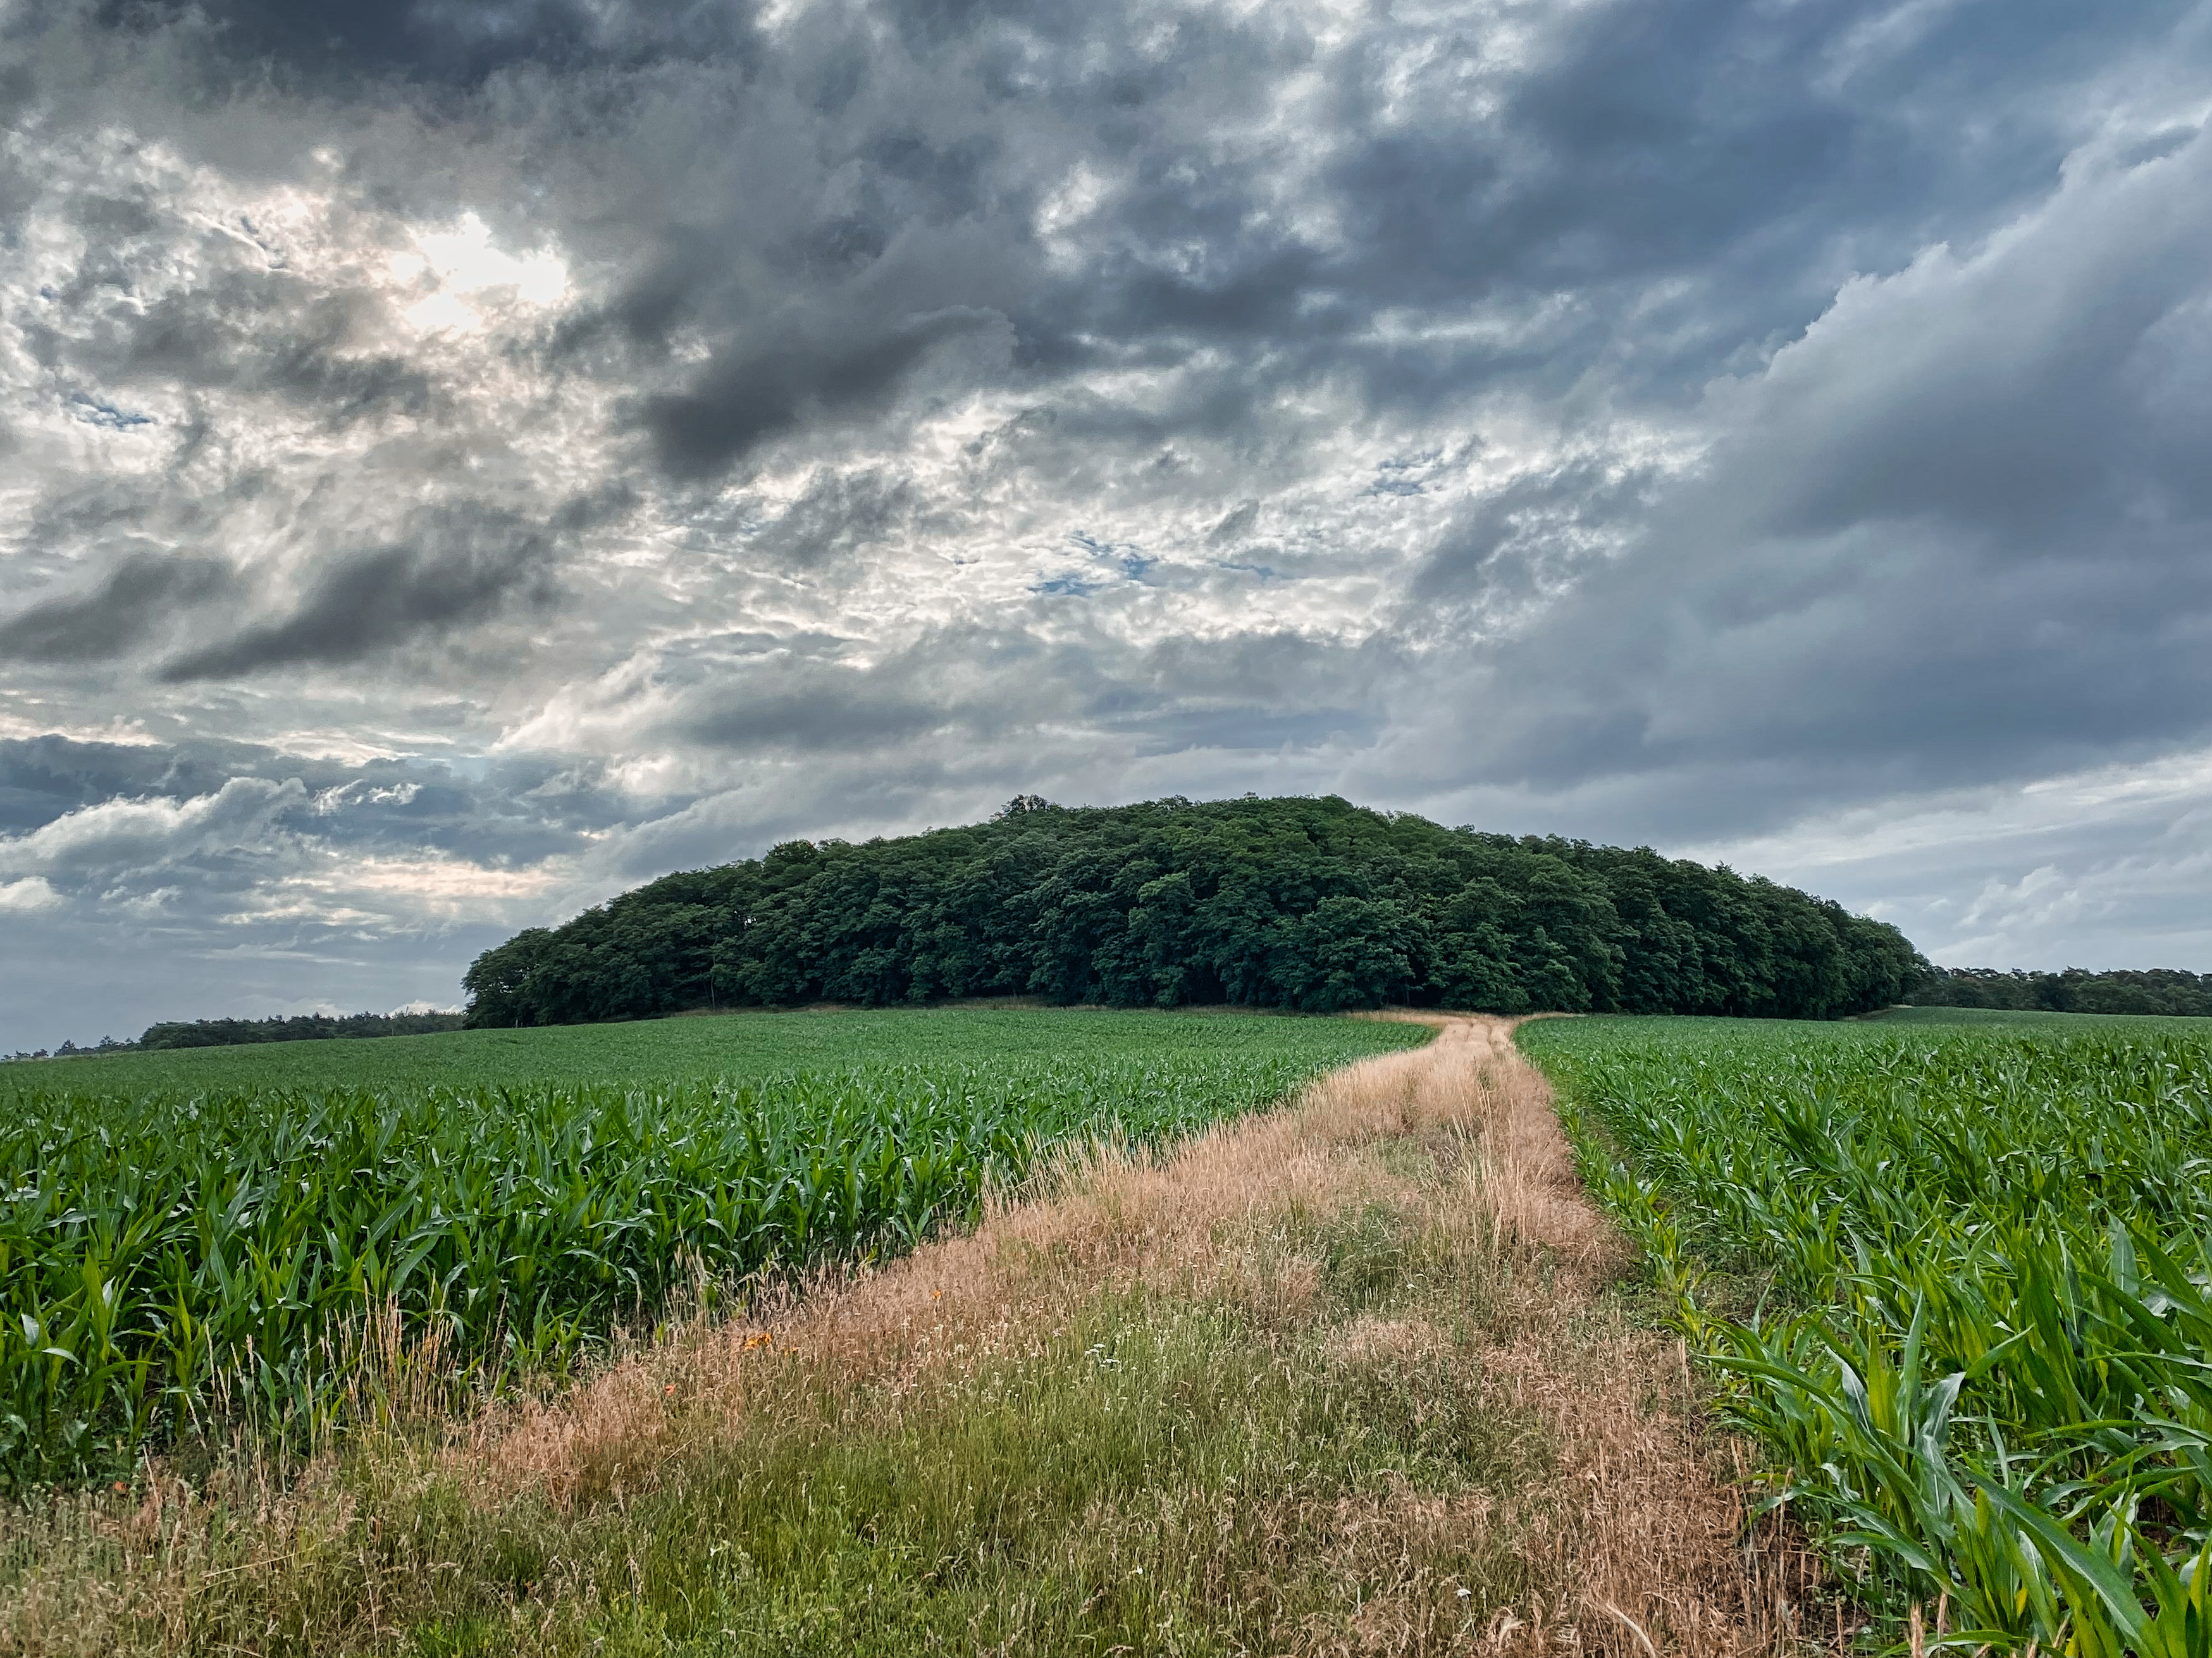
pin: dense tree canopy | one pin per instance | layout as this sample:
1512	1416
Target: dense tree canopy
1314	905
2158	990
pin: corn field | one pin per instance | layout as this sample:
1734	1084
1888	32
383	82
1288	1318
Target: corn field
1968	1271
175	1259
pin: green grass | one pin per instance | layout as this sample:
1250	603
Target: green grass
1136	1482
1984	1364
209	1234
1142	1474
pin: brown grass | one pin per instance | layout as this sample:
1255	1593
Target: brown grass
1649	1539
1491	1295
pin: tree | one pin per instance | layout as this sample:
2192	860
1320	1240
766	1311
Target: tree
1308	904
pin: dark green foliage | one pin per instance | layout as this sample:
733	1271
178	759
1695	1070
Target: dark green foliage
1312	905
2167	991
301	1028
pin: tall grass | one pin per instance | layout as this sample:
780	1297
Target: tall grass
1984	1362
170	1255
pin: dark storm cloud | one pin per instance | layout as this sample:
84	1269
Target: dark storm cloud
1518	544
803	375
1254	694
134	599
991	690
826	696
1955	534
842	516
1733	146
445	42
43	778
1262	678
262	333
457	567
248	323
1726	149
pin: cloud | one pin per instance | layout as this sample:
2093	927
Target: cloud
458	568
134	599
1946	536
267	332
154	881
2102	868
429	40
28	897
563	441
755	392
120	836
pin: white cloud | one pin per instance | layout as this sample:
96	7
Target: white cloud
28	897
153	834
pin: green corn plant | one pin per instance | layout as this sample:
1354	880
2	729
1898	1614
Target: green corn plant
164	1251
1987	1368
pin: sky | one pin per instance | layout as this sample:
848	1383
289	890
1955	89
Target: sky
459	461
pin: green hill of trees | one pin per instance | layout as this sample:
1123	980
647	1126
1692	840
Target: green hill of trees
1314	905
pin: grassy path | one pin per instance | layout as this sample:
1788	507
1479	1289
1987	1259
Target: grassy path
1350	1377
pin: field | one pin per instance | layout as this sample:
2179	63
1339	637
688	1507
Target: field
1360	1376
215	1235
1344	1377
1954	1273
648	1051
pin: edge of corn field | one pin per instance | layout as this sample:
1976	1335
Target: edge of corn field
1359	1375
1970	1364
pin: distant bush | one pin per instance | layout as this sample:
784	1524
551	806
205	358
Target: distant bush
1314	905
2159	990
300	1027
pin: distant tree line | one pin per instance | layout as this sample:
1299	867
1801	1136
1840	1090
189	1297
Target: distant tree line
300	1027
1307	904
70	1050
2156	990
227	1033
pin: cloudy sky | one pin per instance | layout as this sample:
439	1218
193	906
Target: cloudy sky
460	460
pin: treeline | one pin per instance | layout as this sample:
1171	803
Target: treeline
1308	904
70	1050
2157	990
300	1027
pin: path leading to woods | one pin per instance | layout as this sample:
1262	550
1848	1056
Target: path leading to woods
1353	1377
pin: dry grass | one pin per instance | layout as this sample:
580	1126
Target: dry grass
1205	1220
1376	1396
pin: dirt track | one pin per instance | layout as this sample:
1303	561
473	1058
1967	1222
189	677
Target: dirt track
1640	1538
1400	1257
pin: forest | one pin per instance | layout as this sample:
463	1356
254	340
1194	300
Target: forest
1310	905
2167	991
